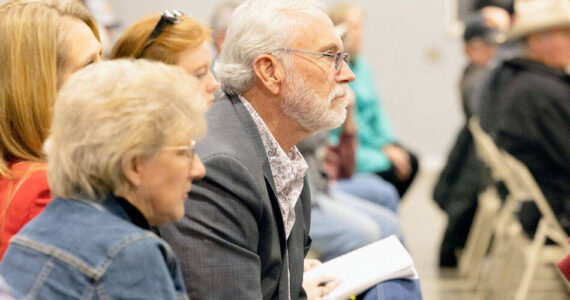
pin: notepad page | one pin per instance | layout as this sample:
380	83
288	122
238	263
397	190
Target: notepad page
362	268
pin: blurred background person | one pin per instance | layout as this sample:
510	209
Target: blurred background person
529	111
481	39
378	151
107	21
172	38
219	21
48	41
461	180
111	183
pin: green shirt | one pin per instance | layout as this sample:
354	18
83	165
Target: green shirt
372	123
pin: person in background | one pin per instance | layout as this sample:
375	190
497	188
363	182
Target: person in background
171	38
107	20
111	183
48	41
460	181
529	113
284	73
219	21
481	40
341	222
378	151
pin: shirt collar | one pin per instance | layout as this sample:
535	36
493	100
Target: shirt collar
124	209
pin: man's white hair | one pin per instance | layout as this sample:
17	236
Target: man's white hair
257	27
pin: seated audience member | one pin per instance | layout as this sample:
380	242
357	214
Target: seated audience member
529	111
461	180
339	168
284	73
219	21
378	151
44	43
340	222
481	41
111	183
174	39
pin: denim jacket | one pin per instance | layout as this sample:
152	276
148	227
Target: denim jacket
82	250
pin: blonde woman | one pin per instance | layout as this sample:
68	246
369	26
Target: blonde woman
172	38
48	41
111	182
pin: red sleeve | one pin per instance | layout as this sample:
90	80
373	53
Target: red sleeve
36	189
30	198
564	266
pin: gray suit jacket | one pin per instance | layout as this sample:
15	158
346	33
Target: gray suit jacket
231	241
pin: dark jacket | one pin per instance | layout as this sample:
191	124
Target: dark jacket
231	241
533	124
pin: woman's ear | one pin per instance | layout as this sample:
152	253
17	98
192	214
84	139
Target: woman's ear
132	169
270	72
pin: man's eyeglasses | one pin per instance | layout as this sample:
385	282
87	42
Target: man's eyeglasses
338	57
190	148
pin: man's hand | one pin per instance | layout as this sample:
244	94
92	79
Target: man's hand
318	287
401	161
310	263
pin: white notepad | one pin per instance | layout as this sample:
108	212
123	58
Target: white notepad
367	266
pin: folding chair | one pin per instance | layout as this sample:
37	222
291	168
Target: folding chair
509	240
548	227
489	205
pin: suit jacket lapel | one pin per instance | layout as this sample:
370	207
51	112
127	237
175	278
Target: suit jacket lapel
254	136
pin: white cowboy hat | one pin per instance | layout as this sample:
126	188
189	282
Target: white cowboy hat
538	15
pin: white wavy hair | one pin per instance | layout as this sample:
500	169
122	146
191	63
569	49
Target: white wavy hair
108	113
257	27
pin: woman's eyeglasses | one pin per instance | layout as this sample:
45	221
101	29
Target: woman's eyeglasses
190	148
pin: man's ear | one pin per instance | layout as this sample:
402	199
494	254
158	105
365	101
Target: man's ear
132	168
270	72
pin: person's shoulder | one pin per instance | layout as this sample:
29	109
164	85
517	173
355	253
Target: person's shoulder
32	175
30	188
143	247
231	131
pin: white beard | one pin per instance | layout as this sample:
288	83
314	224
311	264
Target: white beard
311	111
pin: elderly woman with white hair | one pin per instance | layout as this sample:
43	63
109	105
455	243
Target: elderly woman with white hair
120	160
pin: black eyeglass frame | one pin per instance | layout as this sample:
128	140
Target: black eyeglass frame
338	56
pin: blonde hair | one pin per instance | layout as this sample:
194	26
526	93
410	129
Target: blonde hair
174	39
109	113
32	55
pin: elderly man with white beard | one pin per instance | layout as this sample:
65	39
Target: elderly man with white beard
246	230
245	233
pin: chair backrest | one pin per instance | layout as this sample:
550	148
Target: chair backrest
487	151
526	181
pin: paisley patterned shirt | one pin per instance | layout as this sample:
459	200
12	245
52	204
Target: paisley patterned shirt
288	169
